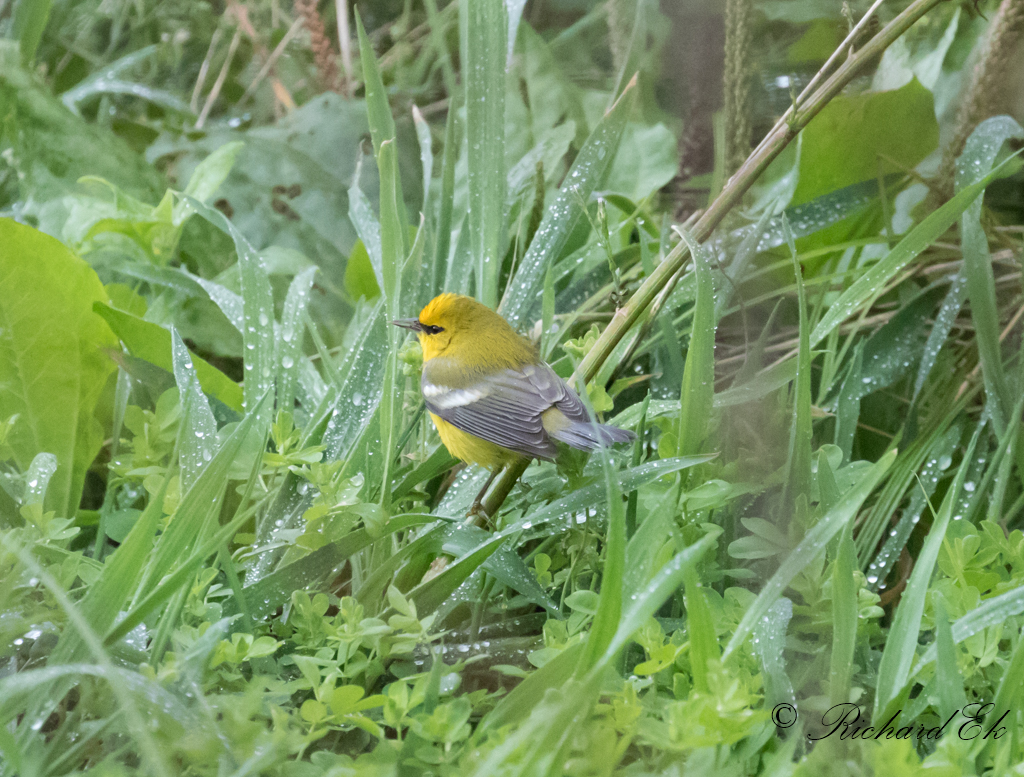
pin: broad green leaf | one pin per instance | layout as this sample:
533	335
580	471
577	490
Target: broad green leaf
648	158
153	343
368	228
52	362
50	148
360	275
843	143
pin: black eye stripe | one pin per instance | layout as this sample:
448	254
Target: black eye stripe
431	329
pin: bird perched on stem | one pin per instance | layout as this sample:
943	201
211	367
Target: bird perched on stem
489	394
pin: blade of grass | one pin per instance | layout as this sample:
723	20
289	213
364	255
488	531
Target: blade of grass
698	388
810	546
873	282
201	503
393	260
197	438
844	618
483	27
274	590
257	310
974	167
560	219
700	628
152	343
609	606
939	334
898	655
443	227
798	460
292	331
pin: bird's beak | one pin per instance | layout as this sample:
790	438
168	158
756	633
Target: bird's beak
409	323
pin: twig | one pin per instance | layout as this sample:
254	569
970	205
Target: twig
843	49
345	44
204	69
272	59
221	78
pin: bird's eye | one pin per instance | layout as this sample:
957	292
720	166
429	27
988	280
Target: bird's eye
431	329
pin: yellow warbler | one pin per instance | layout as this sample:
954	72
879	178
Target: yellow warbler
489	394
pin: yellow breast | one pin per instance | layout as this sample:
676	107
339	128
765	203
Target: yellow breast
469	448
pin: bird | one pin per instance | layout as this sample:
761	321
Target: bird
491	397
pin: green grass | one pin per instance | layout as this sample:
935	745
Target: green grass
231	542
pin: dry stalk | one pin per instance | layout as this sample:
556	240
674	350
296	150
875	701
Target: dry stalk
323	53
984	94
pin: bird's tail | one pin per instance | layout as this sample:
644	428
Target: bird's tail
588	436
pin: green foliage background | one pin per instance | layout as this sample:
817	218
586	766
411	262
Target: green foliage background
230	540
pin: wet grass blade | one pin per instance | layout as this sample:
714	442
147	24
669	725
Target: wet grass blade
429	595
698	388
810	546
844	618
484	35
292	331
609	606
152	343
976	163
443	228
266	595
898	656
948	311
257	310
198	430
873	282
798	462
586	174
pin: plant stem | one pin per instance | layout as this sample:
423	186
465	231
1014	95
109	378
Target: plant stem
667	273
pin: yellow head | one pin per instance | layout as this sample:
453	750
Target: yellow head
460	327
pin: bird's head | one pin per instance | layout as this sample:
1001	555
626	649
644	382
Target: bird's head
448	319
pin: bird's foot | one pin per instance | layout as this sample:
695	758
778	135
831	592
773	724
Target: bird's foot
477	514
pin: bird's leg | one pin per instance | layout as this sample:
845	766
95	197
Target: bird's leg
476	510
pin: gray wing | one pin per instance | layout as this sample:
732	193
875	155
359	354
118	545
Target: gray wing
503	408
